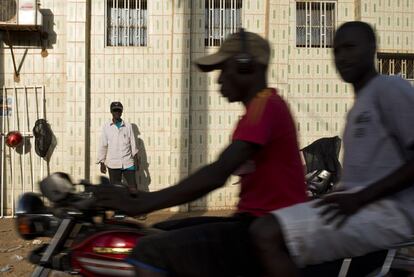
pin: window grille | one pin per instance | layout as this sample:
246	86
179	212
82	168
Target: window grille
315	23
222	17
126	22
396	64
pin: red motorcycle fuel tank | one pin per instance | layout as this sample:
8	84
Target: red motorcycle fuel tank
102	254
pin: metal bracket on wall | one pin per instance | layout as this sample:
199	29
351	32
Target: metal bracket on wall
43	37
16	70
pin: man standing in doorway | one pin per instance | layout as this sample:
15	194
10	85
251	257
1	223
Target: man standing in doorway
117	150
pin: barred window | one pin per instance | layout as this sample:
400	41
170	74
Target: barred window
315	23
396	64
222	17
126	23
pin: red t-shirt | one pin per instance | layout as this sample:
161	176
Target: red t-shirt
275	177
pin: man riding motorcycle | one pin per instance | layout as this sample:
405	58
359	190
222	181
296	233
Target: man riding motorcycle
264	152
375	210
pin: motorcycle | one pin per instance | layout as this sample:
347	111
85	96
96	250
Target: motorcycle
86	240
323	168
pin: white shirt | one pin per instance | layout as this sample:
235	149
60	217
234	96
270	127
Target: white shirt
379	136
117	147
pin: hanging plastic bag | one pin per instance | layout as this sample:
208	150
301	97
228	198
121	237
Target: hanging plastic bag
43	137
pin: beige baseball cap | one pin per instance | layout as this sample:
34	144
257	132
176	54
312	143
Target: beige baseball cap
257	47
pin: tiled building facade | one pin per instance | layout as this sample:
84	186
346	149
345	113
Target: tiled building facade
180	119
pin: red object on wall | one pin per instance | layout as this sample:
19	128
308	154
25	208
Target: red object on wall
14	139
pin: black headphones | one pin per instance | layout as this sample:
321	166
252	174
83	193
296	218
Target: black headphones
244	60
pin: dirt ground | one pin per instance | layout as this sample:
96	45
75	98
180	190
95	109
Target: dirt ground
14	250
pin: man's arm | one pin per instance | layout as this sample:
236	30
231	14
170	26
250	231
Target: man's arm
196	185
344	204
102	151
395	102
103	147
393	183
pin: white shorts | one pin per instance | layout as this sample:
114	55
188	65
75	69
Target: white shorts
311	241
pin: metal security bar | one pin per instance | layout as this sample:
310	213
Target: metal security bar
222	17
126	22
315	23
20	168
396	64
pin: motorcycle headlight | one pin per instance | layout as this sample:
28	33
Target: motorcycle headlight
33	218
23	226
31	226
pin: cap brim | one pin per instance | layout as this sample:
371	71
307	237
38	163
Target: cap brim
211	62
116	109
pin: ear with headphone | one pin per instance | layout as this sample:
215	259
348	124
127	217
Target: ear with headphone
244	60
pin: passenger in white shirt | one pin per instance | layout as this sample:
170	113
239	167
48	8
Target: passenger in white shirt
117	150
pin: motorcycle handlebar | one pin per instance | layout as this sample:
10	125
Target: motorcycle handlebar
59	189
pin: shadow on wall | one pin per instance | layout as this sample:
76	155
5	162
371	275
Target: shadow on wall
194	129
26	147
46	38
50	152
47	141
199	135
48	24
43	39
143	175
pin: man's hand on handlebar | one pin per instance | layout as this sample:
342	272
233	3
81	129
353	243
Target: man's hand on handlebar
114	197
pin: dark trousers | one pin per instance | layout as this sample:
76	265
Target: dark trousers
199	247
115	177
221	247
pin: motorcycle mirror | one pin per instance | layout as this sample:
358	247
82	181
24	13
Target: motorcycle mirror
56	186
